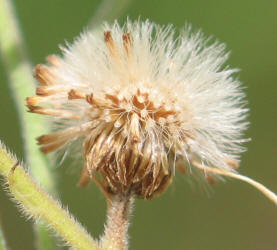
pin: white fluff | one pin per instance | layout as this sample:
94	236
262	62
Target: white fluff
186	73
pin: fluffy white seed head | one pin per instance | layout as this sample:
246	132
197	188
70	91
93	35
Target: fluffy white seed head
144	101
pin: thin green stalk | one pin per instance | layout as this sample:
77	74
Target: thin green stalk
36	203
264	190
108	11
22	85
3	245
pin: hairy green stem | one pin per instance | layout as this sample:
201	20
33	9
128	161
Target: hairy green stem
116	229
108	11
36	203
22	84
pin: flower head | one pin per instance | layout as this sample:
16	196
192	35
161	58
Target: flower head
142	102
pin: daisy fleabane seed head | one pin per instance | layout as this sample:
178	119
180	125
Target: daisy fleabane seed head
143	102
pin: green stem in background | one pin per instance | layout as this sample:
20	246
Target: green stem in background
36	203
22	85
43	241
108	11
3	245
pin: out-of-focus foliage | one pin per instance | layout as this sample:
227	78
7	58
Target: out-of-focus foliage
231	217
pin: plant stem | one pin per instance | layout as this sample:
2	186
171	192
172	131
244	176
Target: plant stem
3	245
36	203
264	190
22	85
108	11
43	241
116	229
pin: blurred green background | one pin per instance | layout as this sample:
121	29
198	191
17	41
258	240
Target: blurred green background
233	216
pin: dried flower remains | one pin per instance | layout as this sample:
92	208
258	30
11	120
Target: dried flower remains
143	102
